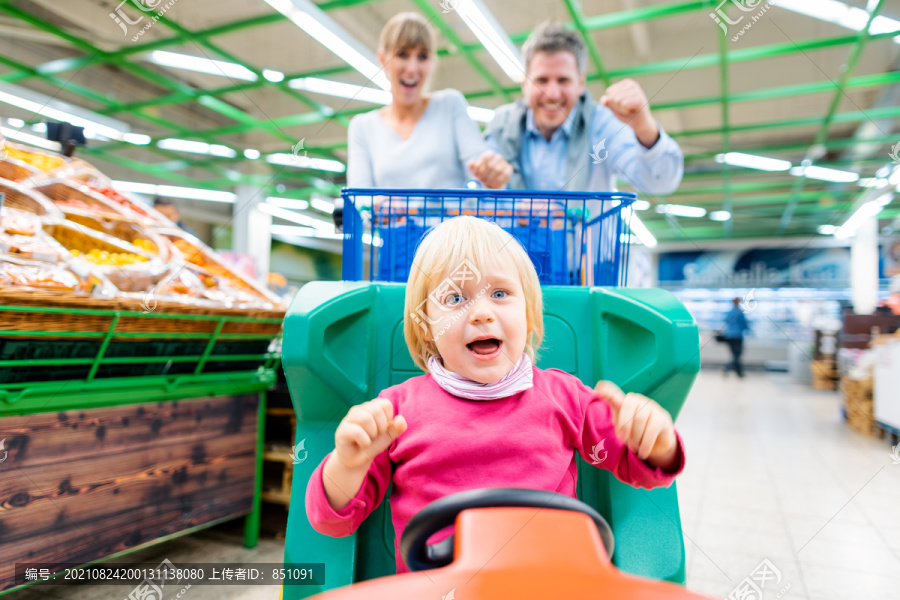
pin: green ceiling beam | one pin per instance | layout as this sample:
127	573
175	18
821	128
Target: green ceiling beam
786	91
648	13
737	188
742	202
183	90
726	126
847	117
230	111
822	135
774	49
142	167
765	150
435	17
574	9
741	55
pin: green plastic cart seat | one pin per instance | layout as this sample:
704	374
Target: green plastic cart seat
343	343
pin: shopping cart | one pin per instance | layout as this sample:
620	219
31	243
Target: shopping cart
573	238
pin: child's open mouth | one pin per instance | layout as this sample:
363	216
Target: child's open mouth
485	349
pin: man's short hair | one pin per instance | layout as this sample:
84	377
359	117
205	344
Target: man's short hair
551	38
160	201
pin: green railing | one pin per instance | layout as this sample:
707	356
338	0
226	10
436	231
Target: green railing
79	373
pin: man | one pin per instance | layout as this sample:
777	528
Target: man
733	335
168	209
557	138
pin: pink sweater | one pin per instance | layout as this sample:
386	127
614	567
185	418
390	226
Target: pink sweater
527	440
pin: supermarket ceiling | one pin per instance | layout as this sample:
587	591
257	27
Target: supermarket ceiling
814	90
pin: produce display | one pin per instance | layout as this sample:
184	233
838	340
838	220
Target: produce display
38	160
107	239
38	275
18	222
213	274
118	198
103	257
30	247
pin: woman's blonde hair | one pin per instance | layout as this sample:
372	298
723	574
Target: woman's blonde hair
454	246
406	30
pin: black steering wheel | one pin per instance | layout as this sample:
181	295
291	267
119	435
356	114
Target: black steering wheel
420	556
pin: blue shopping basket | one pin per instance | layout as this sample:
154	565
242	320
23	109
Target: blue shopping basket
573	238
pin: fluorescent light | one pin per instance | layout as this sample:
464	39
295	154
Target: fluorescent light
139	139
842	14
638	227
138	188
17	123
304	162
251	153
61	111
679	210
750	161
869	209
827	229
39	128
322	28
481	115
368	94
293	217
341	90
294	231
289	203
202	65
492	37
196	147
894	179
640	205
323	205
273	76
629	238
174	191
27	138
720	215
825	174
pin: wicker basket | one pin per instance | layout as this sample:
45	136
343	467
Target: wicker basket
39	155
201	255
121	228
15	170
138	277
18	196
157	323
60	190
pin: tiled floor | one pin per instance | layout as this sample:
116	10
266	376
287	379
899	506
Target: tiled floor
773	474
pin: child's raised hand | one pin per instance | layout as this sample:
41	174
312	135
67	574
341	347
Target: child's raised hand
642	424
366	431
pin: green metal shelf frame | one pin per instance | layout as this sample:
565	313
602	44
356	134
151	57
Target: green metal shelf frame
90	392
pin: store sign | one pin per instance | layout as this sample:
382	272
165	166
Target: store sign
760	267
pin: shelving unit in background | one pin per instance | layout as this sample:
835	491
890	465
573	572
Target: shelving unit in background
783	323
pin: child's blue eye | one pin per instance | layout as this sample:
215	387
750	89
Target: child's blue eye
453	299
503	294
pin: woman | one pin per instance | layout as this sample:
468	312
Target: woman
419	140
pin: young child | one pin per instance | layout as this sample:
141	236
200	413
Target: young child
483	415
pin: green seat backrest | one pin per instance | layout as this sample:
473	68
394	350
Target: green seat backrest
343	343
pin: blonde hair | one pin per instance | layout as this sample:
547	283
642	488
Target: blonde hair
449	246
406	30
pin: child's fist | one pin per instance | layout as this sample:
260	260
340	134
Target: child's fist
366	431
642	424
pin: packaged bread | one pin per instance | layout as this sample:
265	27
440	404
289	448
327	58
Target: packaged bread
39	275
